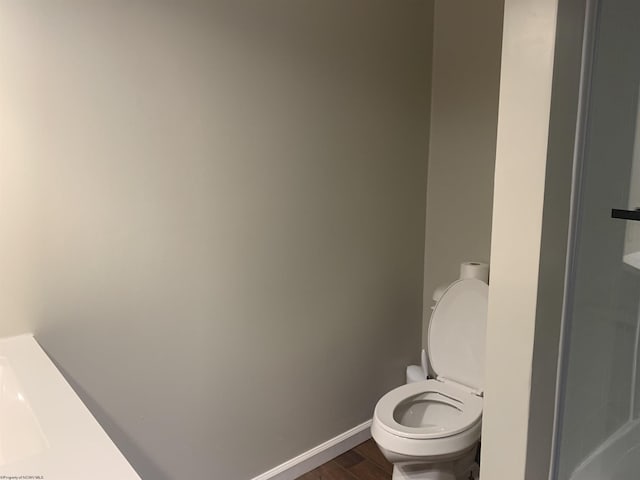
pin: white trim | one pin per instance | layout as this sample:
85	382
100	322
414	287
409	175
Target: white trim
307	461
634	374
584	95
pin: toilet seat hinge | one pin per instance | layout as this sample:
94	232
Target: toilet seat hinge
462	386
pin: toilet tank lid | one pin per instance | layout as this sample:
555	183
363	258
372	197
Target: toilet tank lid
457	333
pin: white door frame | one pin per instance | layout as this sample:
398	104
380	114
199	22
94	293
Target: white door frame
539	104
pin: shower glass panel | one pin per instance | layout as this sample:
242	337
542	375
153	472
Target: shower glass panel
598	429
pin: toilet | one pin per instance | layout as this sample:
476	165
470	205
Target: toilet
430	430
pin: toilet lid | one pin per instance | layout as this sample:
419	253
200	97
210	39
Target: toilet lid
457	332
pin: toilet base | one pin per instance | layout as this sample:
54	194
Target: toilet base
461	469
399	474
424	472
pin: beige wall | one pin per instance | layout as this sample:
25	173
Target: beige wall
230	215
464	114
16	240
17	208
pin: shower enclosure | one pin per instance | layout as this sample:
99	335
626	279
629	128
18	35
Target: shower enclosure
598	418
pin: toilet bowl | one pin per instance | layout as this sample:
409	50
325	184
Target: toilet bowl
430	430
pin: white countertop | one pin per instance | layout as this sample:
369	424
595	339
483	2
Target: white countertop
45	429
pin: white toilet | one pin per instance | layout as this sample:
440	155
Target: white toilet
430	430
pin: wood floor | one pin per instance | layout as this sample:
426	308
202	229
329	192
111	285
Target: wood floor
364	462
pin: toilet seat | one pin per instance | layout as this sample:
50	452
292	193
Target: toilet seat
452	403
440	410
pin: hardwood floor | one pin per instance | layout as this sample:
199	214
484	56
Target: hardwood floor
364	462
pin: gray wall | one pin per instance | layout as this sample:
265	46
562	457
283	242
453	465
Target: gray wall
464	114
561	114
228	205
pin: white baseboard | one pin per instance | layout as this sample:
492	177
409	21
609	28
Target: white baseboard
292	469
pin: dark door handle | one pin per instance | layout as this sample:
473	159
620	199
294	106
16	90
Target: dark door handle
626	214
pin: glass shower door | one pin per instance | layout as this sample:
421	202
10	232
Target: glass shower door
598	430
